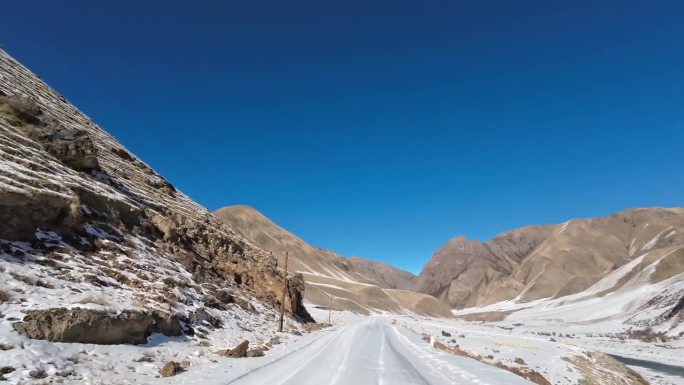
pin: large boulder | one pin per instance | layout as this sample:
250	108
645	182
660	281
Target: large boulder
94	326
296	290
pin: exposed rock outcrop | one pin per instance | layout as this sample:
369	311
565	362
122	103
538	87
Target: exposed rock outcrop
71	145
296	290
96	326
86	326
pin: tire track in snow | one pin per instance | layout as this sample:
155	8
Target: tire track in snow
345	359
288	355
382	371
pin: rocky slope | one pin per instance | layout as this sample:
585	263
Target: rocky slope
352	284
541	262
89	230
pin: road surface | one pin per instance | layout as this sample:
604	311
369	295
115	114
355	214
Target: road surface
376	352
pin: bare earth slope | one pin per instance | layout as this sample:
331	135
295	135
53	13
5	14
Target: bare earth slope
355	284
539	262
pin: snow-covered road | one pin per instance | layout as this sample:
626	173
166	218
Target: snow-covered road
373	351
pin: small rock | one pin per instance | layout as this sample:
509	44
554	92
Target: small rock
258	352
297	333
170	368
519	361
4	347
145	358
6	369
38	374
275	340
65	373
236	352
446	334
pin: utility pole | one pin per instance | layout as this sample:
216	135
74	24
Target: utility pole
329	309
285	290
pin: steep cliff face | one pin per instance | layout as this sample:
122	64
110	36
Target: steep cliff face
80	212
548	261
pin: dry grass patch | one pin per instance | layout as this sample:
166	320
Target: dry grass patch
601	369
31	280
529	374
312	327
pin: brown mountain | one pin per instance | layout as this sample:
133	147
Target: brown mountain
355	283
385	275
548	261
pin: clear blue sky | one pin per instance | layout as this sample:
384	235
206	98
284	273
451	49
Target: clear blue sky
381	129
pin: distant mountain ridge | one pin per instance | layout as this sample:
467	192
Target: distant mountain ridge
359	284
258	229
553	261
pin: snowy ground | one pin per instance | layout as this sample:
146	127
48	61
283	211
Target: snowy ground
543	347
355	350
546	349
602	318
33	279
369	350
383	348
380	349
75	363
